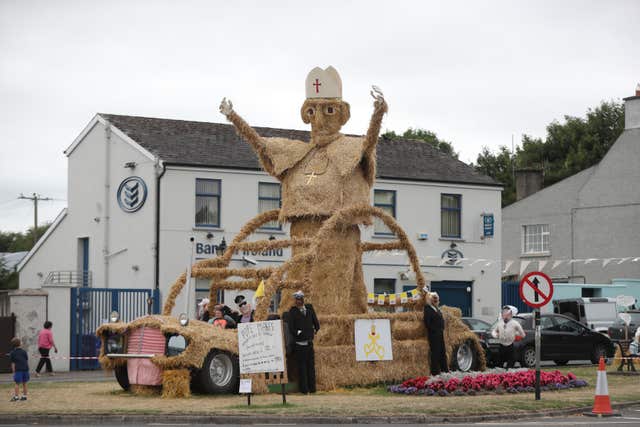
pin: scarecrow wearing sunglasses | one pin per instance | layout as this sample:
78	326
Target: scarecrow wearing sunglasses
246	310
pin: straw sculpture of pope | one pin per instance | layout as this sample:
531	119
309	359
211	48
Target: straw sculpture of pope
330	172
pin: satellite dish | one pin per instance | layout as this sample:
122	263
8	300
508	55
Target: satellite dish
626	318
625	300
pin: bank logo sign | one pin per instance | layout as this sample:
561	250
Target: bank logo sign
132	193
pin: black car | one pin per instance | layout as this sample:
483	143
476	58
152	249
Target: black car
562	339
616	331
476	325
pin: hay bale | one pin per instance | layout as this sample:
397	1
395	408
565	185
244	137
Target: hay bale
336	366
176	383
145	390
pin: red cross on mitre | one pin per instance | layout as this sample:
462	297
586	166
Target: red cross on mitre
323	83
317	84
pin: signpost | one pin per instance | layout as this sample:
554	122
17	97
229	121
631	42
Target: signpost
536	290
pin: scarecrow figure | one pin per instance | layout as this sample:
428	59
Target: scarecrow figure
331	172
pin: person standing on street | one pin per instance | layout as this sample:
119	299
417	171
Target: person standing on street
303	325
508	330
434	322
45	343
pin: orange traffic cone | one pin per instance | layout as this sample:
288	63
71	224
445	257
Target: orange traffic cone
602	403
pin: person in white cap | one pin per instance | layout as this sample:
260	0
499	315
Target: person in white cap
203	310
508	330
434	322
303	325
634	347
320	177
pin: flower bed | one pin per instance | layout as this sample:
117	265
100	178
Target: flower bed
497	381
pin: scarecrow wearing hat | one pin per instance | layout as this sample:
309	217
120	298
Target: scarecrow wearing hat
303	326
330	172
508	330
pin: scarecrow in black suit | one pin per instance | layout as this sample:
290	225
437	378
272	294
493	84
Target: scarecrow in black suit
434	322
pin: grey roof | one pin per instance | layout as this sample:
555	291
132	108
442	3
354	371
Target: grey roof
12	259
218	145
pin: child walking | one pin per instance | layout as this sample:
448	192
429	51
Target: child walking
20	369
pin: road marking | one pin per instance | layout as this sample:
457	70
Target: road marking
167	424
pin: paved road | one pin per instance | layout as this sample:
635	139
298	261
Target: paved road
630	417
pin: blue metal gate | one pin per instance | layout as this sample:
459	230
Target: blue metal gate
511	296
455	294
91	307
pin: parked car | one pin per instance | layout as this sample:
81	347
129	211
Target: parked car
595	313
562	339
481	329
617	330
476	325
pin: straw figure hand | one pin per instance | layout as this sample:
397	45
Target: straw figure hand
226	107
378	96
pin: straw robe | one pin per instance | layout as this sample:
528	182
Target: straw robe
317	181
319	178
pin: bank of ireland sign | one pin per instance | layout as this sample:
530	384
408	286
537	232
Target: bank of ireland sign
132	194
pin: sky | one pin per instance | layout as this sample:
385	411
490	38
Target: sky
477	72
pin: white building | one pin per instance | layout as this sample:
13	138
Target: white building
140	188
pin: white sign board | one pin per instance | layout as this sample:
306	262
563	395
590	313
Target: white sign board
260	347
373	340
245	386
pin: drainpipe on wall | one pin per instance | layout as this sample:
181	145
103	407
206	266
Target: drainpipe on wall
107	193
157	237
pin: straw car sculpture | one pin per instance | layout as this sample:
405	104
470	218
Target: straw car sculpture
325	198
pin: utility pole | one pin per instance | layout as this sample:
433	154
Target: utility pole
35	198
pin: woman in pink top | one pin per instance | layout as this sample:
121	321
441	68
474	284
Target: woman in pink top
45	342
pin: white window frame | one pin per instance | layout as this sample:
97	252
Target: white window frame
542	233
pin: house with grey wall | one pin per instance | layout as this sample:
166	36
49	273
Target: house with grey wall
585	228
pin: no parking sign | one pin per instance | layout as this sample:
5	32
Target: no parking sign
536	289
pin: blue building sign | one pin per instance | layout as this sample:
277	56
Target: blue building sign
487	225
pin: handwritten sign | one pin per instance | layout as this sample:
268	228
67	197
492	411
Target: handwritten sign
260	347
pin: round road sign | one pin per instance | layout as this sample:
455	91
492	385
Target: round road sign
536	289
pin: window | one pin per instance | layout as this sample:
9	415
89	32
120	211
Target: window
450	209
566	326
381	286
207	202
269	199
536	239
385	200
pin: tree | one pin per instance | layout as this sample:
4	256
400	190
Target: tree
16	241
8	278
425	136
569	147
499	166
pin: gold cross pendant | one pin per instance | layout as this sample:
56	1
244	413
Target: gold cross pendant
311	176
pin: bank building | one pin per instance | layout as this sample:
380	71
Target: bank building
144	194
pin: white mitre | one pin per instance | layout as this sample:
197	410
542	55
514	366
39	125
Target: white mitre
323	83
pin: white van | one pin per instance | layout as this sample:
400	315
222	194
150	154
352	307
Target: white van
595	313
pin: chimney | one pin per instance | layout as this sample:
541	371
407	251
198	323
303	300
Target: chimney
632	110
528	181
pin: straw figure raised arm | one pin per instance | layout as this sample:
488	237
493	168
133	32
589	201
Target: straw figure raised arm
330	172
